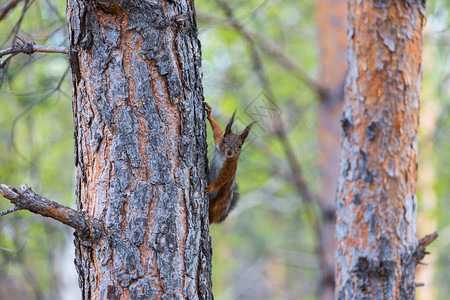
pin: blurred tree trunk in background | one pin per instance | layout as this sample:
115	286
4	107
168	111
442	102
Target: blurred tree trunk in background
140	149
426	183
377	249
332	22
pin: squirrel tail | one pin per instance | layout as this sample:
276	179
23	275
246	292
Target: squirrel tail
234	200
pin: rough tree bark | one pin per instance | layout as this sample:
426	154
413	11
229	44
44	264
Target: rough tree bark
332	23
377	251
140	149
141	228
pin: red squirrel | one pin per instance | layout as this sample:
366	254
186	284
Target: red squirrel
222	171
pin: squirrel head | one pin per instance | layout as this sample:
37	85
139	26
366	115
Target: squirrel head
231	144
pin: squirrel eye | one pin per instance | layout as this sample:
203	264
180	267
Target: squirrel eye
223	142
240	146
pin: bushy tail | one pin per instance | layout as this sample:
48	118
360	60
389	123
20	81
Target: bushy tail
234	200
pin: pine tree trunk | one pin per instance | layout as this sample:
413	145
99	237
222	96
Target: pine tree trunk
332	22
140	149
376	203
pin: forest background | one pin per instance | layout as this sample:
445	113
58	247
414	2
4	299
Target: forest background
267	248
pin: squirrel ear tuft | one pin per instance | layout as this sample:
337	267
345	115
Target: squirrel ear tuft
246	131
230	123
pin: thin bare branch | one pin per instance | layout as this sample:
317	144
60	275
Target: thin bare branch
21	39
424	242
5	60
420	284
24	198
9	210
56	12
274	51
277	123
30	48
299	181
275	162
428	239
15	30
29	108
254	55
7	7
18	249
294	176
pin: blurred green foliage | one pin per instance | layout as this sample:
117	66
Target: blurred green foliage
436	90
36	147
265	249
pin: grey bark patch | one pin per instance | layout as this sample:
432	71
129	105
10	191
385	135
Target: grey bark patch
381	3
370	216
136	229
104	108
341	230
159	166
390	166
114	212
122	173
126	263
118	87
346	291
385	247
362	164
362	271
127	139
346	124
141	197
357	199
144	288
345	168
371	130
389	43
369	177
152	29
112	35
370	273
96	133
102	52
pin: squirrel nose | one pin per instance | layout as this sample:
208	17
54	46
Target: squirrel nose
229	152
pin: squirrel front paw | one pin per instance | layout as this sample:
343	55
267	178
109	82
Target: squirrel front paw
208	109
209	189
